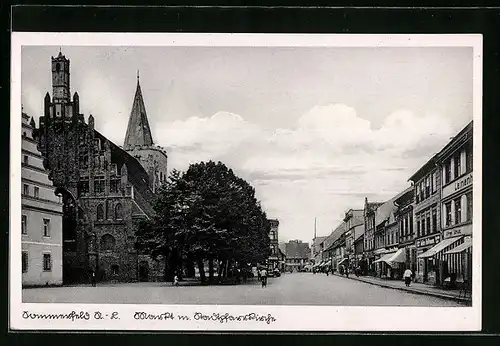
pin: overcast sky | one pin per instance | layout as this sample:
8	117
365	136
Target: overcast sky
315	130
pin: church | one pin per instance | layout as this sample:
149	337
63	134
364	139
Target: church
105	189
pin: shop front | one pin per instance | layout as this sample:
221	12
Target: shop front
426	267
437	266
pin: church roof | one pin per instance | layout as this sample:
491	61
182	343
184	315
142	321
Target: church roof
138	130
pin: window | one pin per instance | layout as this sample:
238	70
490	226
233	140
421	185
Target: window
427	186
428	218
113	185
447	207
418	226
100	212
26	189
411	225
434	220
47	263
24	224
423	230
37	191
107	242
469	206
46	227
468	160
118	211
457	167
84	161
25	262
109	211
99	184
433	182
447	172
458	210
83	185
25	159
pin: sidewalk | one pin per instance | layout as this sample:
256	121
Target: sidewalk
417	288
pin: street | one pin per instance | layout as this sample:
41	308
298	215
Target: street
289	289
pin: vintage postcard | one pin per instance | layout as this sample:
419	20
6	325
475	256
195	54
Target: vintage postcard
244	182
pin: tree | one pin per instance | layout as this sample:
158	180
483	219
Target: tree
206	214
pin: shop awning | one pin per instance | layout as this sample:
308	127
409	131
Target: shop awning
384	258
397	257
439	247
343	261
380	251
462	247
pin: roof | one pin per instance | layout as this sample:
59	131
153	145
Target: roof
455	142
335	235
294	249
138	130
385	212
372	206
137	175
426	168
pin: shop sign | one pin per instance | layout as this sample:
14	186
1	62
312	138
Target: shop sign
428	241
457	186
464	230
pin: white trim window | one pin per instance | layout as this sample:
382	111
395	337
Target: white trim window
47	262
24	224
46	227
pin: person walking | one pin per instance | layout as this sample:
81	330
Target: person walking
407	276
263	275
92	279
347	272
176	280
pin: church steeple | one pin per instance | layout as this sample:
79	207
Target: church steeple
138	131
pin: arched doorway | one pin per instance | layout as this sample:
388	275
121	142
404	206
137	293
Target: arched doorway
71	274
144	271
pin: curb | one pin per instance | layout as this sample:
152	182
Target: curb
432	294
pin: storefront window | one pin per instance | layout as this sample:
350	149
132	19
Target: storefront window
458	211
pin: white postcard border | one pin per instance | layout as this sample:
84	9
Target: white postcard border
265	318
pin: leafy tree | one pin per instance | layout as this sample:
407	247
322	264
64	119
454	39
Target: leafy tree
206	214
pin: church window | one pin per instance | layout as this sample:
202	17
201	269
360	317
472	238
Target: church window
113	185
83	186
107	242
84	160
99	184
100	212
114	269
109	211
118	211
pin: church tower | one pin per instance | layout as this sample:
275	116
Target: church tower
139	142
60	79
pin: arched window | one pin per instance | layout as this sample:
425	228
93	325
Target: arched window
109	211
100	212
107	242
118	211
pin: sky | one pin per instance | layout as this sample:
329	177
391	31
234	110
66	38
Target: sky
314	129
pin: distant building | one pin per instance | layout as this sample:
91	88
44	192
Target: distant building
354	226
369	213
317	249
404	217
275	256
41	217
297	255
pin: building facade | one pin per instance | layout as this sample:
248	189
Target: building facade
297	255
41	217
104	189
456	165
274	257
369	214
404	217
427	219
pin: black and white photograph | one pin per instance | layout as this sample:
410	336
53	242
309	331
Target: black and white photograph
221	181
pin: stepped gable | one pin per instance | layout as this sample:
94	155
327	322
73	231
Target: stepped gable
137	176
138	130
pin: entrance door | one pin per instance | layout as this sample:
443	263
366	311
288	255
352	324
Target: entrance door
144	271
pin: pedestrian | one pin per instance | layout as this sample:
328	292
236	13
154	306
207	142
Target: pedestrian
347	272
263	275
327	271
176	280
92	279
407	276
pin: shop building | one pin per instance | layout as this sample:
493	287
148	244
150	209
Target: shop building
427	215
456	164
369	237
386	234
41	217
404	217
274	257
297	255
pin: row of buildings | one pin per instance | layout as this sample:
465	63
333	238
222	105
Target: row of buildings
81	193
427	227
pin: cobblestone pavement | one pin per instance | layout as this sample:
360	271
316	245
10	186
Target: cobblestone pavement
289	289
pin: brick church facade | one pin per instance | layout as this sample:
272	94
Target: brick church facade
105	189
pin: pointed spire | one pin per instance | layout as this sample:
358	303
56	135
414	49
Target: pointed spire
138	130
314	228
